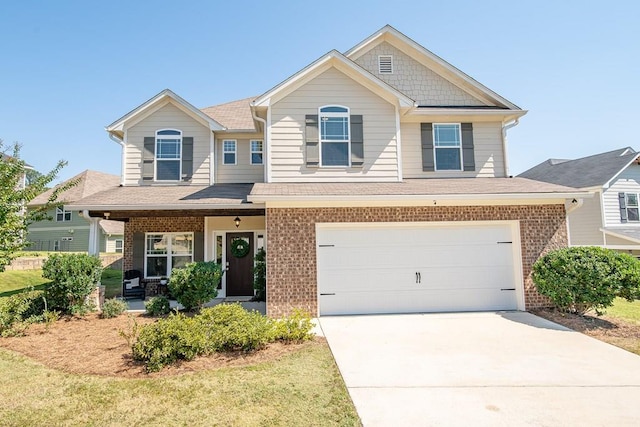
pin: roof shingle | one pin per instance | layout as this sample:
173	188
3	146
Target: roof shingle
235	115
89	182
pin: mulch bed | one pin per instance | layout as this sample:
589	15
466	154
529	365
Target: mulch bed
91	345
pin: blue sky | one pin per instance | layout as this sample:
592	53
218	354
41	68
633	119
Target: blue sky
70	68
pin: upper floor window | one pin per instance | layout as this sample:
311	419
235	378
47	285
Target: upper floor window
385	64
229	152
448	147
256	152
334	135
631	207
168	155
62	215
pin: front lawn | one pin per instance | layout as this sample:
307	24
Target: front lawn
625	310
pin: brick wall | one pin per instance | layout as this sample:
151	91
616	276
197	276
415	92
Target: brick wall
291	253
168	224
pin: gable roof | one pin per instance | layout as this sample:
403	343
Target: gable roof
89	182
585	172
343	64
431	61
234	115
112	227
159	100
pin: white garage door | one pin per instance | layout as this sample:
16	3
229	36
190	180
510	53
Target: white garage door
433	267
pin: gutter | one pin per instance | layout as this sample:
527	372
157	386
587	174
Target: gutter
122	164
265	161
505	128
87	208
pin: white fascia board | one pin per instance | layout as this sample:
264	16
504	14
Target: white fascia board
506	115
608	183
183	207
343	64
165	94
422	197
619	235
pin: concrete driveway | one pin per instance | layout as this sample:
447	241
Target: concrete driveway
493	369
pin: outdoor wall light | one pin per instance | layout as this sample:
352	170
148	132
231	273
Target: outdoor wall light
107	215
237	221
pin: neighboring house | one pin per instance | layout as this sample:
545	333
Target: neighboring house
69	230
611	218
376	180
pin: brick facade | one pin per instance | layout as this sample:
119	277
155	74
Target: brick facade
170	224
291	244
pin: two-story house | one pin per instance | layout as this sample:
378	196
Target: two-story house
376	179
611	218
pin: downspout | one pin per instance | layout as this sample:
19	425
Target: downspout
505	128
94	237
264	137
122	164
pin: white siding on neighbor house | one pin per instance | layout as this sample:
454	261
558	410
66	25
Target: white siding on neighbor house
243	171
585	223
627	182
167	117
414	79
332	88
488	153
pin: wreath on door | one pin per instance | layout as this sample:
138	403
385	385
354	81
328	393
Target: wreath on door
239	248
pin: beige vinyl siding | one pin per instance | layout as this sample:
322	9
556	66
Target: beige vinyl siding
627	182
108	243
487	141
243	171
585	223
333	88
167	117
415	80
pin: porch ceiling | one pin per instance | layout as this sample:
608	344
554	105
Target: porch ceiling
125	215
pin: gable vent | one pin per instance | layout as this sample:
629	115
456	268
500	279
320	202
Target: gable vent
385	64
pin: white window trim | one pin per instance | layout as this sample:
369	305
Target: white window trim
156	159
348	141
252	152
235	152
379	64
61	211
435	159
627	207
115	245
168	255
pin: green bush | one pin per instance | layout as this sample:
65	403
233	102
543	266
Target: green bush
260	275
157	306
73	277
175	338
195	284
579	279
231	327
113	307
294	328
19	310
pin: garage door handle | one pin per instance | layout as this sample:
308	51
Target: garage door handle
326	294
508	289
418	277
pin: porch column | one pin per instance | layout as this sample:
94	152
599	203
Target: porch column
94	236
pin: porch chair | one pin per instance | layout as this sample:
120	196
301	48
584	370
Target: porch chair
133	285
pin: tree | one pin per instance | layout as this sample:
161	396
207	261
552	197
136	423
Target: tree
14	217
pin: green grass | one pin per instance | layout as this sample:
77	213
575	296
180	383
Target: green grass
625	310
15	281
302	388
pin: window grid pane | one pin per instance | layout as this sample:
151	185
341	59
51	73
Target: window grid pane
168	149
335	129
632	199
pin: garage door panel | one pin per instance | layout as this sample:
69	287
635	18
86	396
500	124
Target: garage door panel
374	269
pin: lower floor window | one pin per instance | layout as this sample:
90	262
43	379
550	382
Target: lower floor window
119	245
165	251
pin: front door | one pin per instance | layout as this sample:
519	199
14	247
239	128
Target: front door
239	264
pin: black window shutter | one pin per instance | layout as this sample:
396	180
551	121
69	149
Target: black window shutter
198	246
138	252
467	147
148	158
312	141
426	136
622	201
187	158
357	142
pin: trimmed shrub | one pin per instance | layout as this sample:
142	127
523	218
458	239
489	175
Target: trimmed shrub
231	327
175	338
113	307
73	277
157	306
579	279
19	310
260	275
294	328
195	284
